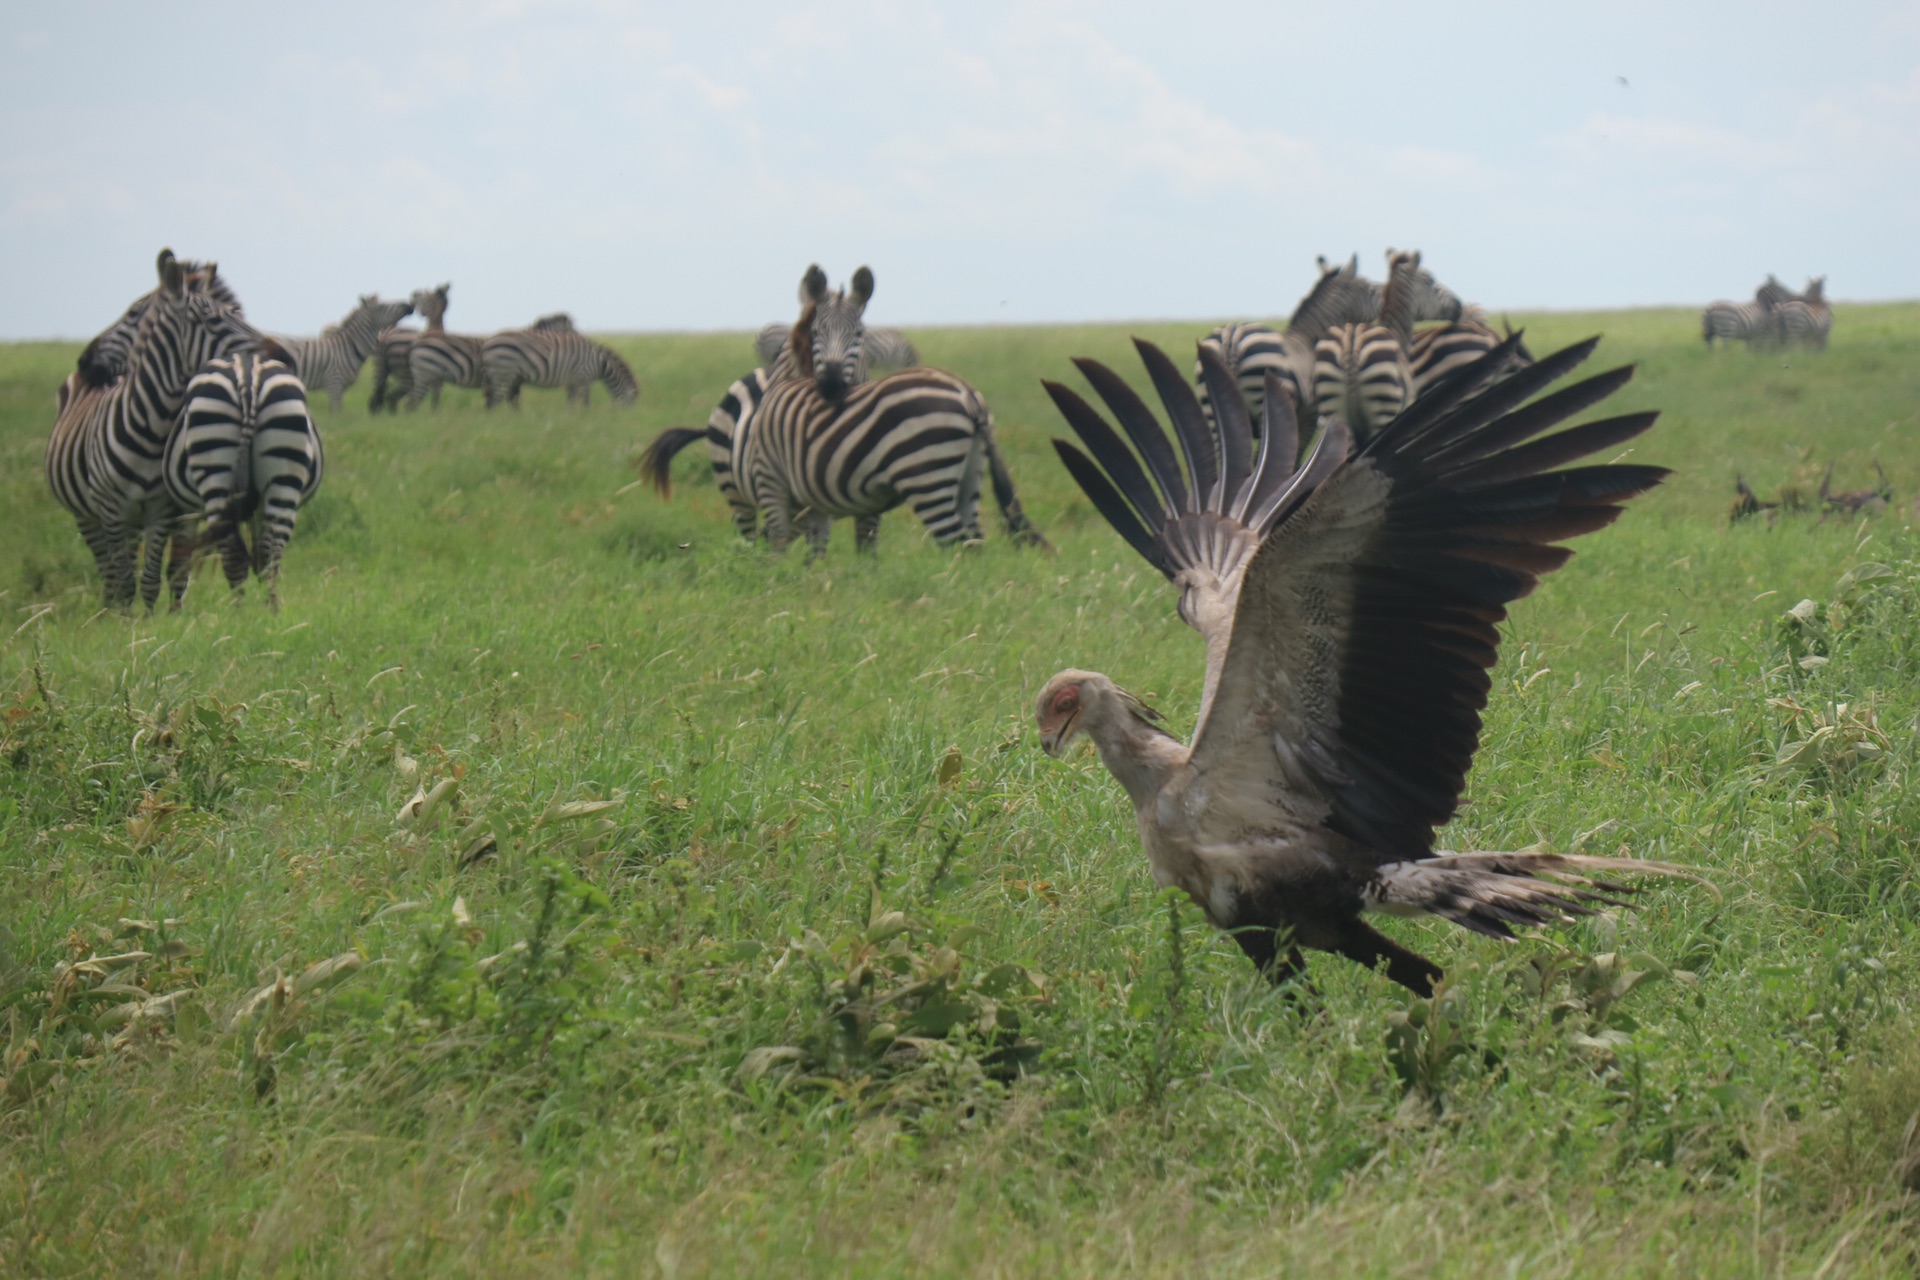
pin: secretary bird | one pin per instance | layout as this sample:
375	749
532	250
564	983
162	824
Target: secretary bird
1349	606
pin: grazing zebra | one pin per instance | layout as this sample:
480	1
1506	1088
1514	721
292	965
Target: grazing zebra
333	359
104	458
1361	373
246	452
553	357
391	351
105	358
920	437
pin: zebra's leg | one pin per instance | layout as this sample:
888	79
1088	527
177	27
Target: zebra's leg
866	533
101	543
819	529
154	537
117	568
185	546
279	509
746	519
776	525
1019	527
336	396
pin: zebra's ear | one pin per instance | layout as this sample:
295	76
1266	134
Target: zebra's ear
173	278
813	285
863	285
1353	264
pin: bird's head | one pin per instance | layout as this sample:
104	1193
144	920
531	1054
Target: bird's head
1073	702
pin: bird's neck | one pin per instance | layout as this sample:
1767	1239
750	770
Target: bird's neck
1139	755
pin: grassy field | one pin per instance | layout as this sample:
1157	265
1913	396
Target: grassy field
744	929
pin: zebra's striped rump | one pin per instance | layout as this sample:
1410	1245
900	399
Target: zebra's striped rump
246	453
726	427
1251	351
436	360
1362	377
104	459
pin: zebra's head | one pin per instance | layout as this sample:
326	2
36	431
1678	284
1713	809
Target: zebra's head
838	330
558	322
189	324
431	303
1431	299
377	315
1816	291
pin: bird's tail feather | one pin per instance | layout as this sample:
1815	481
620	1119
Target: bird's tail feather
1491	893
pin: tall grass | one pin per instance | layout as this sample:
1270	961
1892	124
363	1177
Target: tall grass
557	885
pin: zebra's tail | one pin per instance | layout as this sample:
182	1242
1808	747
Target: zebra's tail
1018	526
656	464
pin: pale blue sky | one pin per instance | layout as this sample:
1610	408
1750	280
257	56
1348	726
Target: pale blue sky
654	166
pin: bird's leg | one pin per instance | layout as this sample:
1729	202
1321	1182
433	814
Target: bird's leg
1364	944
1262	945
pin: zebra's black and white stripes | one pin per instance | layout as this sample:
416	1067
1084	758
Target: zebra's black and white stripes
104	458
1361	372
392	378
1777	317
332	360
105	358
553	357
921	438
246	453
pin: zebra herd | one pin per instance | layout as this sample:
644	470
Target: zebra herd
185	428
1776	319
806	438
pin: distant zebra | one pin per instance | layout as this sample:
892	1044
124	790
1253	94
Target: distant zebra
104	458
246	452
1772	293
1251	351
1801	324
847	350
553	357
439	359
921	437
1361	373
1439	350
1746	321
333	359
390	354
1430	299
105	358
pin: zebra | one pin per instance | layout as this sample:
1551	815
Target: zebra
103	461
1442	349
1340	296
333	359
838	329
436	359
920	437
245	451
105	358
1251	350
1361	373
390	353
553	357
1798	323
1747	321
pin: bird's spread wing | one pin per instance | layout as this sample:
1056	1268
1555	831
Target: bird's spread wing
1200	523
1356	668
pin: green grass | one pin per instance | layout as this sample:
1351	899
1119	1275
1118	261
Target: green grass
1094	1083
